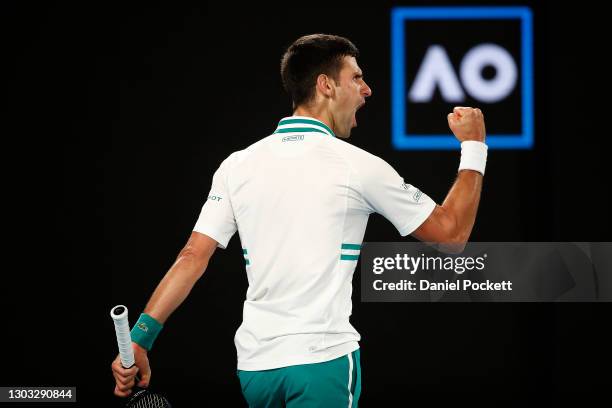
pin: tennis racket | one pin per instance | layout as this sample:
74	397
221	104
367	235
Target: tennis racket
142	397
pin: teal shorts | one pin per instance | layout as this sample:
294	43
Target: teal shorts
334	383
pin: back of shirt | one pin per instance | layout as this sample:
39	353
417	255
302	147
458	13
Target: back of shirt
300	200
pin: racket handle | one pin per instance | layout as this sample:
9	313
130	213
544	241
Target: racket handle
119	314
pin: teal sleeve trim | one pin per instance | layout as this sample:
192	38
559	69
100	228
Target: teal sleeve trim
349	257
145	331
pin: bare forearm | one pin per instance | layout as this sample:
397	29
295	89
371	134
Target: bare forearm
180	278
449	225
175	286
462	202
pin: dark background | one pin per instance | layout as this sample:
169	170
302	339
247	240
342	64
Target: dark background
116	117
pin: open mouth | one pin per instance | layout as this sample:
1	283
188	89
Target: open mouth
355	114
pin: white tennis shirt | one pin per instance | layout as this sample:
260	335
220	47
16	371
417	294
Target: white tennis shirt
300	200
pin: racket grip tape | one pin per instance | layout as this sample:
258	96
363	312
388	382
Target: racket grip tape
119	315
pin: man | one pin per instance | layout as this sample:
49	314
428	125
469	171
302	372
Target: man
300	200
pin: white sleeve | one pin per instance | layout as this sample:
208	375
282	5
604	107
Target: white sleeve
385	192
217	216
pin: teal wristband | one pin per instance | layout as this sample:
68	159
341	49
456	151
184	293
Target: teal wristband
145	331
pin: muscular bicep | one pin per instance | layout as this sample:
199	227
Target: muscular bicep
439	227
200	246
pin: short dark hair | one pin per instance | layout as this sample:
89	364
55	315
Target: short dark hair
310	56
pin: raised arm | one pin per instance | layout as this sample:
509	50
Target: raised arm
451	223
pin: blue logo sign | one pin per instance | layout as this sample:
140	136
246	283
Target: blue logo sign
442	57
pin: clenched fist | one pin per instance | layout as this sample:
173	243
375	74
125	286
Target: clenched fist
467	124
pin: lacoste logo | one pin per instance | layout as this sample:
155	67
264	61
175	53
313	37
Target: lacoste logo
142	326
294	138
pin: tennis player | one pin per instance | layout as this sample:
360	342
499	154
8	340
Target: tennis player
300	199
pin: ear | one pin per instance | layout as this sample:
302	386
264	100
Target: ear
326	85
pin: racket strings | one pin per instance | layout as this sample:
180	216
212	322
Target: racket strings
145	399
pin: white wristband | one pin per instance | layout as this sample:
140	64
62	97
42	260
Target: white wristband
473	156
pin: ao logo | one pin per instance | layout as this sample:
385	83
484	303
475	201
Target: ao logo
437	71
443	57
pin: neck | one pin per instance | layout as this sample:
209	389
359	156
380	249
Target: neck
319	113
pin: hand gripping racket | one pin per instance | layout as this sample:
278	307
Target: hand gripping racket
142	397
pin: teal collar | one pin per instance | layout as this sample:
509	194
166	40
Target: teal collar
295	124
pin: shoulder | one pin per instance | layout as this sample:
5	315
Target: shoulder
360	160
235	159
